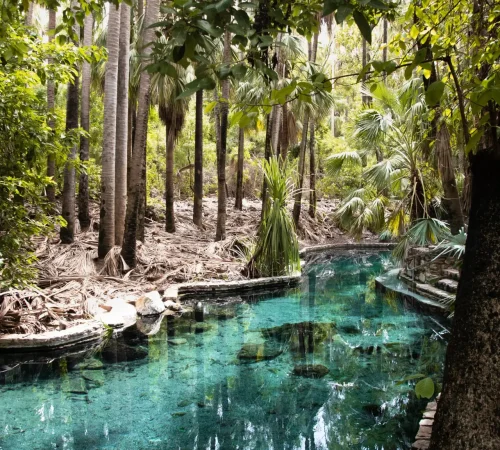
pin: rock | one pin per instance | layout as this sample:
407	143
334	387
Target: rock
259	352
349	329
149	325
184	403
90	364
150	304
311	370
122	314
177	341
173	306
118	351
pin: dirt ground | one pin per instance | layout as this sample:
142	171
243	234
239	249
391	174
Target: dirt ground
69	274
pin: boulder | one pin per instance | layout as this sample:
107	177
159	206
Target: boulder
149	325
259	352
173	306
150	304
121	314
311	370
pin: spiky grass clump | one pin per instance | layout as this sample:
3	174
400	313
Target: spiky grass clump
277	248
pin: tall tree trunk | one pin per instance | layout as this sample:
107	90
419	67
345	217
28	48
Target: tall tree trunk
417	210
312	172
297	205
107	216
275	128
51	101
169	178
83	185
384	39
284	133
67	233
141	214
451	200
122	118
238	204
365	57
137	184
28	20
267	155
467	416
198	162
220	233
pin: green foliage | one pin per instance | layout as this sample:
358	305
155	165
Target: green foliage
453	245
277	248
425	388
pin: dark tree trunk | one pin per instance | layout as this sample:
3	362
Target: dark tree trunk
67	233
468	416
297	205
132	117
239	174
451	200
366	99
267	155
169	180
312	173
417	210
284	141
220	233
51	162
141	213
198	162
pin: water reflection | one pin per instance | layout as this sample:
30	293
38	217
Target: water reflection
313	369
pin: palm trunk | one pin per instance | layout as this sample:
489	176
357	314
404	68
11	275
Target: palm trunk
198	162
267	155
467	415
275	128
169	179
417	209
451	200
107	217
284	133
137	184
384	37
141	214
132	120
312	173
121	156
51	96
28	20
297	205
83	185
364	97
238	204
220	233
67	233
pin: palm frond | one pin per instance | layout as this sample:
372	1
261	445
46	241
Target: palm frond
335	162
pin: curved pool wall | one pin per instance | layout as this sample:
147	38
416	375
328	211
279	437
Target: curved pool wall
224	376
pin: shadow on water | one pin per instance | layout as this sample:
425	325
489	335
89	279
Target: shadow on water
312	368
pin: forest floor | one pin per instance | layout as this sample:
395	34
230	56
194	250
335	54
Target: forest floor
68	275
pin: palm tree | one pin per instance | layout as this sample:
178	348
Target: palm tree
107	219
165	90
83	185
238	203
198	162
51	162
136	184
220	232
121	152
67	232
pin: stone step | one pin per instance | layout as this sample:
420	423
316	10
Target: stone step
447	285
433	292
452	274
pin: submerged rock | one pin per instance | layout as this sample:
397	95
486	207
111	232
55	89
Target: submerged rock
118	351
349	329
149	325
311	370
367	350
172	305
259	352
150	304
90	364
177	341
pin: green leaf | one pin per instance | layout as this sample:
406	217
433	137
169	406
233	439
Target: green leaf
434	93
196	85
210	107
242	19
223	5
473	141
377	4
425	388
211	30
330	6
363	25
343	12
378	65
414	32
178	52
239	71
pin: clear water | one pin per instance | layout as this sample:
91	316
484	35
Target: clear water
186	387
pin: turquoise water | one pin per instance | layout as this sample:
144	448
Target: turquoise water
232	376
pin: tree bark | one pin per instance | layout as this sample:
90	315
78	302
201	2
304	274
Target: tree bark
297	205
451	199
169	179
267	155
284	134
366	99
198	162
220	233
107	212
137	184
312	173
67	233
83	185
28	20
275	128
384	38
238	204
51	97
121	155
468	417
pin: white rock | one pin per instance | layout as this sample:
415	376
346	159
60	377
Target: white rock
150	304
122	314
173	306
